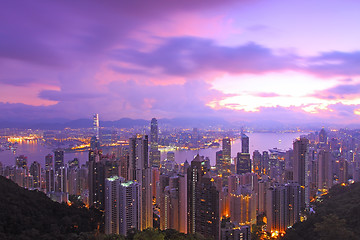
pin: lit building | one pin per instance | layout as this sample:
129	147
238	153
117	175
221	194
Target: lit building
154	154
301	174
243	163
282	206
245	145
325	176
96	180
203	201
226	156
59	159
122	205
140	171
96	126
257	162
242	207
35	171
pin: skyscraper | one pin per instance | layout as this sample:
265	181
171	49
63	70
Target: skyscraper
245	143
301	174
96	180
324	170
140	171
203	201
243	163
96	126
59	159
323	137
226	152
35	171
154	142
122	205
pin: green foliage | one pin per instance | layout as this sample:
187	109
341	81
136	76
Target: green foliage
336	217
29	214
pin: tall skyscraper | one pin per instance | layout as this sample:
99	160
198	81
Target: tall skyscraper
301	174
325	175
154	154
35	171
203	201
122	205
49	164
243	163
257	162
245	145
282	206
140	171
96	126
59	159
226	152
323	137
96	180
242	207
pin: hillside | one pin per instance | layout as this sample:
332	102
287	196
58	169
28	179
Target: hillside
29	214
337	216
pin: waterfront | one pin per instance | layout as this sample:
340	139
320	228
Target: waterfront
258	141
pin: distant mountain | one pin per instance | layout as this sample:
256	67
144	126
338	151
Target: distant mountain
26	214
59	124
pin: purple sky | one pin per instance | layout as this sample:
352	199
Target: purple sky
237	59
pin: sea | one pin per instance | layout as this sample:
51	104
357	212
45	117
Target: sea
36	151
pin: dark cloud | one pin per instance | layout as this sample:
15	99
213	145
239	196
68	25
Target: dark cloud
335	64
64	96
18	81
190	55
340	91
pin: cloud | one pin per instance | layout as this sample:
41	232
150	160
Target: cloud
341	91
266	95
335	63
190	55
64	96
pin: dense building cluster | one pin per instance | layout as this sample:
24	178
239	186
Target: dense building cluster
135	189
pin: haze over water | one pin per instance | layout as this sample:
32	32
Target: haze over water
258	141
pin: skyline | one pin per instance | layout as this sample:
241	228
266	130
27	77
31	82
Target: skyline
238	60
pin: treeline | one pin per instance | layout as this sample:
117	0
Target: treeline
27	215
337	216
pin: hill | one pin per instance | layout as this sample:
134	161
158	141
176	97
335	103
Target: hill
337	216
26	214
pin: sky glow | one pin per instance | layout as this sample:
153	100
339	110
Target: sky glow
292	61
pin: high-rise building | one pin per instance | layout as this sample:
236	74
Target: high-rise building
242	207
325	175
257	162
96	180
203	201
140	171
49	164
59	159
243	163
226	148
245	145
96	126
122	205
154	154
35	171
323	137
301	173
282	206
21	162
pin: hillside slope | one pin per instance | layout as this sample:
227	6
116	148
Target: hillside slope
26	214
